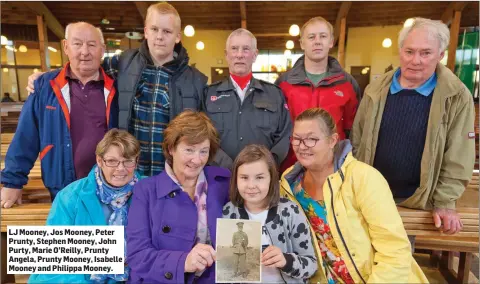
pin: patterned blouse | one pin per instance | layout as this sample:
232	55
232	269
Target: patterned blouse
335	268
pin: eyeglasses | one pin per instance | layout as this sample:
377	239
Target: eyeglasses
114	163
308	142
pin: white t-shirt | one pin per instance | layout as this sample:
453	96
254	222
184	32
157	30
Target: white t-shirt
241	93
269	274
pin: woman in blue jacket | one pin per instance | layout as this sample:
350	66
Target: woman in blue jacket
102	198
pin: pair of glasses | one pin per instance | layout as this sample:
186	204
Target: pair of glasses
114	163
308	142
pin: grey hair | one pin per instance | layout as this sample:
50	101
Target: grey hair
239	32
437	29
102	40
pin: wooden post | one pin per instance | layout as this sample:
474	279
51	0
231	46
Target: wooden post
243	14
341	42
43	43
452	47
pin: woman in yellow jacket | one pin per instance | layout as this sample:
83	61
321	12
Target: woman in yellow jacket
358	232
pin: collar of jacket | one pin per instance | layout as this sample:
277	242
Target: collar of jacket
61	89
165	185
89	198
342	157
227	85
447	85
181	59
298	75
272	212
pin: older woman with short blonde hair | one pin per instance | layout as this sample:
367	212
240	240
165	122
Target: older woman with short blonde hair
172	228
101	198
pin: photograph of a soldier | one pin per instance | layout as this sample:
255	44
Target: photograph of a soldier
238	251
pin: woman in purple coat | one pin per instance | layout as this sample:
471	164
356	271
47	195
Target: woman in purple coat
172	219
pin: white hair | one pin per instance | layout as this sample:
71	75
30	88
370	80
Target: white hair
102	40
239	32
437	29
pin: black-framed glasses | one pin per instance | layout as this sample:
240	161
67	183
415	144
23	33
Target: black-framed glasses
308	142
114	163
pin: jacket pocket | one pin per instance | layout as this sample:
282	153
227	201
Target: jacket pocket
45	150
267	115
220	115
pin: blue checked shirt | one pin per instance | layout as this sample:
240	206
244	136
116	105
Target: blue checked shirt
150	116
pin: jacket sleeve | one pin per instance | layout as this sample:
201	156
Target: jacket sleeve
302	262
459	155
110	65
281	136
392	258
61	214
358	124
25	146
148	262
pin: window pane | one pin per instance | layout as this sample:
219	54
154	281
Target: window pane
9	83
7	56
54	56
22	80
31	57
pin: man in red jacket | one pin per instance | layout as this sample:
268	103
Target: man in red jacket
318	80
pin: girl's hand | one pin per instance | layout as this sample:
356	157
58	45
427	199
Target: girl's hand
272	256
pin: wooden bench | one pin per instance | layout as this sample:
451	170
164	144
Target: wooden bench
420	224
20	215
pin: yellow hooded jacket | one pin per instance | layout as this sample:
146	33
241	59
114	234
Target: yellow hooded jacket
365	223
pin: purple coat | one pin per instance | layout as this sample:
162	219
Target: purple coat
162	226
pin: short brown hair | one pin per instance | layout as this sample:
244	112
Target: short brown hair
250	154
164	8
192	127
326	120
128	144
317	19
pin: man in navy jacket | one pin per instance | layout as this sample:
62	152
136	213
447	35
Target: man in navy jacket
70	111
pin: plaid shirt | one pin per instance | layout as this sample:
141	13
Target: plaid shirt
150	110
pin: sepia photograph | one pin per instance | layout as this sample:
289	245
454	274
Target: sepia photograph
238	251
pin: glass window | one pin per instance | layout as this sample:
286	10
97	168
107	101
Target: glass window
9	83
54	53
23	80
30	58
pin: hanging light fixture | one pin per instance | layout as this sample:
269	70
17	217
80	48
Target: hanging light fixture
189	31
22	48
290	44
5	70
287	52
52	49
200	45
294	30
387	42
9	47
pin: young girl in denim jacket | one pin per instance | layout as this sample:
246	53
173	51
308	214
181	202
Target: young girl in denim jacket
288	254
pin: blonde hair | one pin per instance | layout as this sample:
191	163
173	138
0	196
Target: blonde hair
128	144
322	116
164	8
314	20
437	29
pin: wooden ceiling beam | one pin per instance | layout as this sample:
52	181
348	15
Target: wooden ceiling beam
447	15
243	15
52	23
142	8
342	13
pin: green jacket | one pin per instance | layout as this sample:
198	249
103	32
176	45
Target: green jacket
449	154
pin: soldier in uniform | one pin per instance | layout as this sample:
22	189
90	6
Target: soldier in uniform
246	110
240	243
